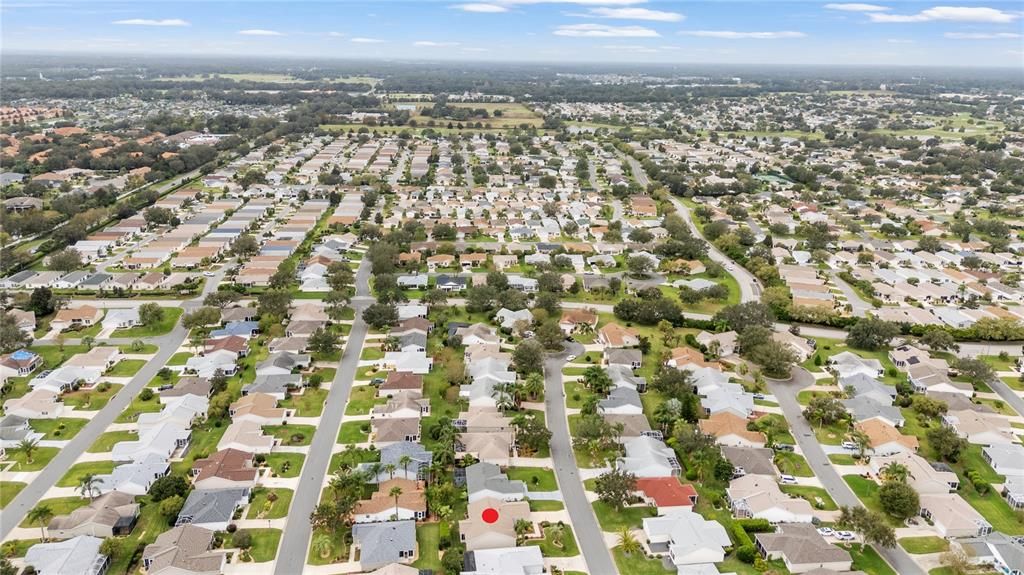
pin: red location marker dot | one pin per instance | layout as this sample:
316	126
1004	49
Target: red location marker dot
490	515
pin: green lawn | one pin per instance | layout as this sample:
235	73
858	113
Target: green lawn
353	432
40	458
179	358
8	491
568	547
923	545
428	537
91	400
278	509
53	356
286	464
371	353
638	564
147	348
535	478
353	457
811	494
576	395
361	400
264	544
137	406
545	505
842	459
310	403
612	520
80	470
832	434
291	434
61	429
126	368
59	506
868	560
106	441
162	327
793	464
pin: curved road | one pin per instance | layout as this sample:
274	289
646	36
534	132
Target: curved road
588	532
167	345
785	393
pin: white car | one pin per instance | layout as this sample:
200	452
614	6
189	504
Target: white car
825	531
844	535
209	274
850	445
570	357
787	480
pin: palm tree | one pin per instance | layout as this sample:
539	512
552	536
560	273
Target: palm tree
534	385
557	533
322	545
88	341
522	527
628	542
396	492
28	447
390	468
404	461
502	395
42	515
862	440
88	486
375	468
894	471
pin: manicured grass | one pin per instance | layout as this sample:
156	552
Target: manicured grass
575	395
126	368
291	434
923	545
371	353
428	537
805	397
147	348
310	403
106	441
831	434
339	548
638	564
867	491
19	547
612	520
793	464
812	495
40	458
164	326
548	547
785	438
278	461
179	358
137	406
60	429
278	509
535	478
353	457
264	544
545	505
53	356
91	399
866	559
80	470
8	491
353	432
361	400
59	506
842	459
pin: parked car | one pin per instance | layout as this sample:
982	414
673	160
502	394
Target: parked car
787	480
850	445
825	531
844	535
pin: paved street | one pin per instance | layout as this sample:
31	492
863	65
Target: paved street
584	523
1009	396
167	345
785	393
860	307
291	556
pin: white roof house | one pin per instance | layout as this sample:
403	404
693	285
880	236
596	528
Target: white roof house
693	544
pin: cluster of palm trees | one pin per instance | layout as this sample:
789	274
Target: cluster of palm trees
509	395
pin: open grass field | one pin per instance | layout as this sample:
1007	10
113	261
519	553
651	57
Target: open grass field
8	491
80	470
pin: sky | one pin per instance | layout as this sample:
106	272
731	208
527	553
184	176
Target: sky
943	33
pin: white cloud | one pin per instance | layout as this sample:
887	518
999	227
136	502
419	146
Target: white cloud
981	35
633	48
260	32
366	40
637	14
335	34
735	35
475	50
481	8
604	31
950	14
855	7
149	22
432	44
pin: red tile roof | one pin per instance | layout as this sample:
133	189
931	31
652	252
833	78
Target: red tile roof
667	491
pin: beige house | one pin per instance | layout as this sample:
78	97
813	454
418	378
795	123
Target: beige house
106	516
